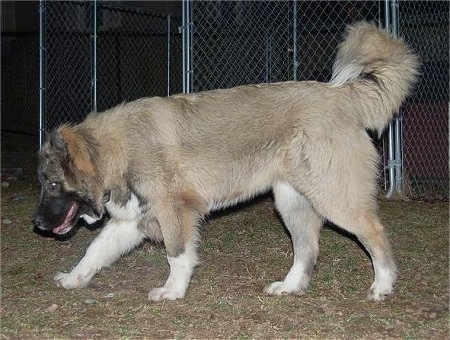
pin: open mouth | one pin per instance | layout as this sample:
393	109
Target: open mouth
68	220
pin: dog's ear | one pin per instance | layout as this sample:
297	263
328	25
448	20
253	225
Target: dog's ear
79	147
55	140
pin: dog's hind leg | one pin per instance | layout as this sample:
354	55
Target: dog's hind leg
117	238
304	225
377	244
369	230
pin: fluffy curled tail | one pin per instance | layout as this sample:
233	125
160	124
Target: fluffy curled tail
381	68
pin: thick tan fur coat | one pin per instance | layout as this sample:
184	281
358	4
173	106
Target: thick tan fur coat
188	154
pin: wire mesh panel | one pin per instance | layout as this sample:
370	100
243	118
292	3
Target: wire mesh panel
175	56
120	56
132	50
242	42
67	34
425	26
320	26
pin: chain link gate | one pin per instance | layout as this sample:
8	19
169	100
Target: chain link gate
425	26
95	55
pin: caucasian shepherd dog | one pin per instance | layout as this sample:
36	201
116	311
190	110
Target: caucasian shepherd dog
159	165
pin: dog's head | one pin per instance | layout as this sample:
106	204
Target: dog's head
71	184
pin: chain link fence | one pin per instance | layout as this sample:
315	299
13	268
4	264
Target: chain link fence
240	42
67	62
425	25
97	55
243	42
133	55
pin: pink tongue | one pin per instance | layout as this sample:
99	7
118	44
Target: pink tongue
66	225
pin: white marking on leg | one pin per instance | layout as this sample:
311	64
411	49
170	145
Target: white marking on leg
304	225
117	238
181	269
383	284
296	281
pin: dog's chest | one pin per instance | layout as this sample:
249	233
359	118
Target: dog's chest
130	211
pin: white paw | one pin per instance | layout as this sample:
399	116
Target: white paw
378	293
383	284
281	288
164	293
70	280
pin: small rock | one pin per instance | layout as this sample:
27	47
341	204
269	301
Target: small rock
52	308
19	198
5	184
432	315
90	301
109	296
6	221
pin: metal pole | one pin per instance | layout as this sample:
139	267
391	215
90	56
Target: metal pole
395	147
41	72
168	53
391	152
398	118
183	23
294	37
394	17
189	55
94	58
398	154
187	36
391	161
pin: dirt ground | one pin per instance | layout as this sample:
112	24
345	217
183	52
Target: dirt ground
242	250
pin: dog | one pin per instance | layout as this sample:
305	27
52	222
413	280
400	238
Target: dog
158	166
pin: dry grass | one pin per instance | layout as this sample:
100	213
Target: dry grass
241	252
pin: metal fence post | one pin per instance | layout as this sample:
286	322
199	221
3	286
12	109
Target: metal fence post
398	117
394	130
41	72
94	57
294	42
391	133
187	36
169	16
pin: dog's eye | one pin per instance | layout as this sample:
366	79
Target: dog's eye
53	185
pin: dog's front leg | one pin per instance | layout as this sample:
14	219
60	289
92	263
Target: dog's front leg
180	238
117	238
